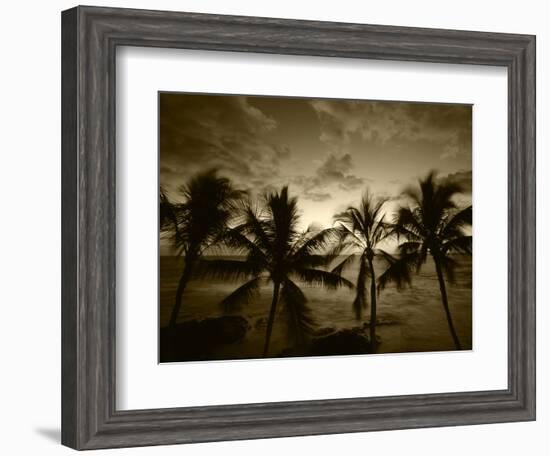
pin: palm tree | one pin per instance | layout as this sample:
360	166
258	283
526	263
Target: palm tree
433	224
277	253
362	230
209	201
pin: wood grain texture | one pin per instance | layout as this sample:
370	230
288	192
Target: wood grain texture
69	178
89	39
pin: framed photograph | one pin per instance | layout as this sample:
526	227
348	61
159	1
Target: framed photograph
289	225
279	228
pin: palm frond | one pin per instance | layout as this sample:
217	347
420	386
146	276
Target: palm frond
344	247
283	219
229	270
409	246
398	270
344	218
209	202
359	224
380	232
408	225
370	209
242	295
255	226
344	264
456	223
170	215
313	244
167	217
462	244
347	234
432	200
240	244
322	278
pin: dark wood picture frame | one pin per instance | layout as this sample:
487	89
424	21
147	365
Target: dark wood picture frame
90	36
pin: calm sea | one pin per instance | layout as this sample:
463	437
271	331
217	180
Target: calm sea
409	321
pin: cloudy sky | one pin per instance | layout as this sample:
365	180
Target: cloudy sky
327	151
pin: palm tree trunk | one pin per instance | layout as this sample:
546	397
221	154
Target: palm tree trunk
372	326
184	279
271	319
445	302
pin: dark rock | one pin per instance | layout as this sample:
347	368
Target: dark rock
330	341
343	342
260	323
195	340
321	332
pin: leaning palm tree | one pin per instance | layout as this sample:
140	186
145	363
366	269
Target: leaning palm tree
433	224
275	252
361	231
208	203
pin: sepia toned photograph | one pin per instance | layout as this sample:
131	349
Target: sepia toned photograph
292	227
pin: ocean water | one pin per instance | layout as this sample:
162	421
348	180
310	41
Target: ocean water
412	320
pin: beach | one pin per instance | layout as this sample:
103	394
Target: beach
411	320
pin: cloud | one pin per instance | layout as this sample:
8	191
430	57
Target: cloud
226	132
445	126
334	171
462	178
316	196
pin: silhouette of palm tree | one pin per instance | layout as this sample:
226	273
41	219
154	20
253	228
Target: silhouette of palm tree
361	231
209	201
433	224
167	212
275	252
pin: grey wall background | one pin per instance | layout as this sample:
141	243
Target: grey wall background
30	223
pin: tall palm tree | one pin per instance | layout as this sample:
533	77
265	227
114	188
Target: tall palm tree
362	230
433	224
275	252
209	201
